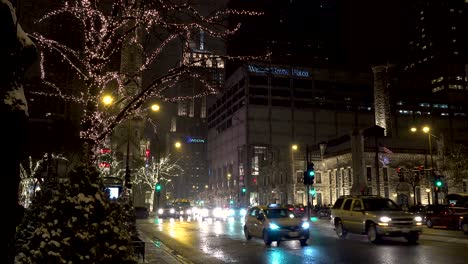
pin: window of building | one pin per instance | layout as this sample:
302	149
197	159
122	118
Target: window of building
337	178
350	176
385	174
203	108
330	178
318	177
331	199
369	173
182	108
465	186
386	192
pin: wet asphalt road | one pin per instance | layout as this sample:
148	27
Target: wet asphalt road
223	242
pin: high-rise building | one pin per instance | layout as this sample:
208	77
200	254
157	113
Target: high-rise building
188	121
438	56
295	32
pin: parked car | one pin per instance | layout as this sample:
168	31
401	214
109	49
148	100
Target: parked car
141	212
375	216
448	217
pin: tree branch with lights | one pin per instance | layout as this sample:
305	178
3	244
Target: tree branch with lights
119	29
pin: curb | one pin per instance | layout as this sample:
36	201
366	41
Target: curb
157	252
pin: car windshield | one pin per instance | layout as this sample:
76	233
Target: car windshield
279	213
380	205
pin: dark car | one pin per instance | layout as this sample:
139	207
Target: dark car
141	212
446	216
168	211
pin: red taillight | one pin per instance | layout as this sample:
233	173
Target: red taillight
302	209
290	209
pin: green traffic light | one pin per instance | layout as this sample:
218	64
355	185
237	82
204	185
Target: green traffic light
438	183
311	173
312	192
158	187
243	190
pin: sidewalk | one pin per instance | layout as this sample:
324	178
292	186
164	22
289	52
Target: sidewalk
158	253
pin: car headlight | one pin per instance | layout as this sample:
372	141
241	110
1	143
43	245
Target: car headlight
305	225
218	212
172	211
418	219
243	212
385	219
274	226
160	211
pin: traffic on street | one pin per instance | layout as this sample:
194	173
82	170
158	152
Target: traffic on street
223	241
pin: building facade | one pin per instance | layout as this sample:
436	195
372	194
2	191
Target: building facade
265	110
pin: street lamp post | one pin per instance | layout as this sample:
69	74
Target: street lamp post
427	130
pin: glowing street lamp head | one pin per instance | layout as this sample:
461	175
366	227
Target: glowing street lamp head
294	147
107	100
178	144
426	129
155	107
413	129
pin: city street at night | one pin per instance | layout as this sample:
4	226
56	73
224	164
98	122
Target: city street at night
224	242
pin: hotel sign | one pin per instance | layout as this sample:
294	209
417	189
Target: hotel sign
196	140
278	71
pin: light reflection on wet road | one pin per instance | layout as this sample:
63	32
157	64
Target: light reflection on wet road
223	242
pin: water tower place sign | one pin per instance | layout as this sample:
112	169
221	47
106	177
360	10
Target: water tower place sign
278	71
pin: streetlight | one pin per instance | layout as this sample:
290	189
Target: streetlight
107	100
155	107
294	147
427	130
178	145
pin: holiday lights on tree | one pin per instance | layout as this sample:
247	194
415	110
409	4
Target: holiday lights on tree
157	172
120	28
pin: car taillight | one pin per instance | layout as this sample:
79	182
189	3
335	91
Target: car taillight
290	209
302	209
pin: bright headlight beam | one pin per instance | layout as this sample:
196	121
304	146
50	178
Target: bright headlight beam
385	219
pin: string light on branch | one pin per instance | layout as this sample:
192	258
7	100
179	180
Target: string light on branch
108	95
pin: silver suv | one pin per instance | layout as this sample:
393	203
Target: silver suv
375	216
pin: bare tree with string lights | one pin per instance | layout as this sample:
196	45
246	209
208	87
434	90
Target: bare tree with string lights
75	222
110	28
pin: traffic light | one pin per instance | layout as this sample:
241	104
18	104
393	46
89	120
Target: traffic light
158	188
421	170
438	182
309	174
400	174
312	192
244	190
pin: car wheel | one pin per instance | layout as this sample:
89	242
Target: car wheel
339	229
464	227
303	242
412	238
429	224
372	234
266	238
246	233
